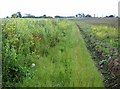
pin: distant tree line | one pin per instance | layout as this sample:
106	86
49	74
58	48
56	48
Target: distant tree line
82	15
76	16
57	16
19	15
32	16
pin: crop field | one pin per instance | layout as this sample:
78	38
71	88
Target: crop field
110	22
102	40
49	53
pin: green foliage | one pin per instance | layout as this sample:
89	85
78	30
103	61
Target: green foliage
106	34
102	42
54	46
16	15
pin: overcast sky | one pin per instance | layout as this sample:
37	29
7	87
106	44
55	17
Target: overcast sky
59	7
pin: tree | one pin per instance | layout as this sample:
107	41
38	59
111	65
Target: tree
88	15
76	15
107	16
7	16
19	14
83	15
111	16
79	15
44	16
14	15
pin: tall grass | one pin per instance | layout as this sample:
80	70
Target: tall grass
54	46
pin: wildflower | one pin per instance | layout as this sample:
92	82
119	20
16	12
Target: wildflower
33	65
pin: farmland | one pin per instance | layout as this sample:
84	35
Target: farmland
65	52
110	22
56	48
101	38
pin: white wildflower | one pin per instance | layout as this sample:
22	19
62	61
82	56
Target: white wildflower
33	65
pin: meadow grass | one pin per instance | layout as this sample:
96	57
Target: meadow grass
57	49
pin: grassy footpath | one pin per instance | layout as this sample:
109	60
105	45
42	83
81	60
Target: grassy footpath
57	49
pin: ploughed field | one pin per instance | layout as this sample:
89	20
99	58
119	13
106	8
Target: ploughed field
46	53
101	36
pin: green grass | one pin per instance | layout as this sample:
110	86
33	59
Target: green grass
55	46
101	39
106	34
103	32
